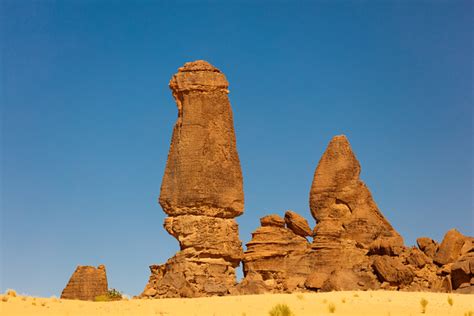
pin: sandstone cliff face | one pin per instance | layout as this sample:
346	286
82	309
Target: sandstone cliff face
201	189
86	283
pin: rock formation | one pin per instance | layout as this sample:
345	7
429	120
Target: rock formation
275	256
201	190
341	203
86	283
354	247
455	258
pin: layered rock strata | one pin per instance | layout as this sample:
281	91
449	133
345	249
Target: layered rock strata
202	190
86	283
275	257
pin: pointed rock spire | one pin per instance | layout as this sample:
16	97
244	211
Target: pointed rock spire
341	203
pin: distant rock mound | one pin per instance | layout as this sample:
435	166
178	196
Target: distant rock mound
202	189
86	283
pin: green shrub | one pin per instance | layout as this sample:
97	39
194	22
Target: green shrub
280	310
112	295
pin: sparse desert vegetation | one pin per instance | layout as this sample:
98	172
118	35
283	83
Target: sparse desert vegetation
450	301
280	310
371	303
332	308
423	303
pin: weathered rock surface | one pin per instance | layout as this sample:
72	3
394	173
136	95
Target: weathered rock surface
450	248
428	246
391	270
341	203
354	246
202	175
297	224
202	189
277	255
86	283
272	220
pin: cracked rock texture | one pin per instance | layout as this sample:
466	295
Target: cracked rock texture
202	189
86	283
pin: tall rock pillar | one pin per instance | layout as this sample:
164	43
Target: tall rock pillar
202	190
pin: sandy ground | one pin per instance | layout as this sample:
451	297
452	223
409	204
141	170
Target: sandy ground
380	303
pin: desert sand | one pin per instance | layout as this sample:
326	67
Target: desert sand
346	303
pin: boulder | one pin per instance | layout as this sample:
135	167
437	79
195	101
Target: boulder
391	270
316	280
462	271
251	284
297	224
417	258
450	248
86	283
272	220
428	246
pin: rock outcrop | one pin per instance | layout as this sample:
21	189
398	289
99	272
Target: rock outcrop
455	258
86	283
354	247
202	189
341	203
276	256
349	226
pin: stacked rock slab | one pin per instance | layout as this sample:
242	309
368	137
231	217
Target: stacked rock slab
202	190
275	260
86	283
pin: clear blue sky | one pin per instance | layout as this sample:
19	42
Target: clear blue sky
87	118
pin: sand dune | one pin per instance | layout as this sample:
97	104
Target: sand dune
345	303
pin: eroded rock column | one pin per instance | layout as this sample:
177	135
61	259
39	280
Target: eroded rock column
202	190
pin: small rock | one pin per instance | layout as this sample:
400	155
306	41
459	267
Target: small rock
297	224
272	220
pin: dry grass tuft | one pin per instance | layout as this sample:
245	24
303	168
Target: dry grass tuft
332	308
280	310
423	304
11	293
5	298
450	301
